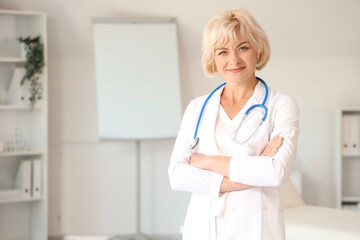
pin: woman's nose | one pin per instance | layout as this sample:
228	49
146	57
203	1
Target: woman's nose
234	59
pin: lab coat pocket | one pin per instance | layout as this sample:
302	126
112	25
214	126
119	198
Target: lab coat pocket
196	224
244	226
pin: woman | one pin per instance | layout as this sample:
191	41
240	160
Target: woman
234	171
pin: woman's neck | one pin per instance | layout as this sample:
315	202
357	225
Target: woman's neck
238	92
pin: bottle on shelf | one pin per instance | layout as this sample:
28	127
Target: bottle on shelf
14	143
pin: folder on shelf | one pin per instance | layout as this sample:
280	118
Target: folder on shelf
351	134
36	178
18	94
354	134
23	178
346	134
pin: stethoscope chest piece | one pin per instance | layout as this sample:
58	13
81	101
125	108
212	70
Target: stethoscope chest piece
193	145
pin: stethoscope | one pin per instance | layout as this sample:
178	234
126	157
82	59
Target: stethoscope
235	132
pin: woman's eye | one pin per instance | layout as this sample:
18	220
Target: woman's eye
222	53
243	48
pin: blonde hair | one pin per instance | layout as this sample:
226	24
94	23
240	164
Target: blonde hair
223	28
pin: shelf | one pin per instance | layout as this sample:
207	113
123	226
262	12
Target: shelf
351	207
350	110
15	195
21	153
17	107
351	154
12	60
21	13
18	200
22	216
350	199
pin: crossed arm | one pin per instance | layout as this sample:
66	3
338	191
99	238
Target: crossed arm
220	164
190	172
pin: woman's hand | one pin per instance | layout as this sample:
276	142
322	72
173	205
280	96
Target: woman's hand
271	149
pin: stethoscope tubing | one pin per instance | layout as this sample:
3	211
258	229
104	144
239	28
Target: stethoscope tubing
262	105
203	107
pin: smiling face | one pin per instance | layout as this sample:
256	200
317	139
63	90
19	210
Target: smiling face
236	61
225	28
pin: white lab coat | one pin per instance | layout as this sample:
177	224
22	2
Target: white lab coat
254	213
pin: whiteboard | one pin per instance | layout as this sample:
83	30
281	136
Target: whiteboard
137	78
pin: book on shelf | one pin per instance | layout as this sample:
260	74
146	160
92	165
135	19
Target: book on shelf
23	178
351	134
36	178
27	182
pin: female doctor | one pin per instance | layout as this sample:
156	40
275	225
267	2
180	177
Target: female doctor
237	145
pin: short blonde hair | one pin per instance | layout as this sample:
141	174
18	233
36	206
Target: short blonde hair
223	28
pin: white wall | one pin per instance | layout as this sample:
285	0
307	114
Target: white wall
315	58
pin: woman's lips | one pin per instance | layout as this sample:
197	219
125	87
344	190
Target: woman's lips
236	70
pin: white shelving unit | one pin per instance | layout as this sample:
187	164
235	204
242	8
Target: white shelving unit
348	158
22	218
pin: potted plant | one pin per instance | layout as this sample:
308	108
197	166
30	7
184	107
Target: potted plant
34	65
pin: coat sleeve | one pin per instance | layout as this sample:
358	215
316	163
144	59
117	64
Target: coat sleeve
183	176
264	171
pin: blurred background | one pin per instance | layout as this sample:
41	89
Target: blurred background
315	58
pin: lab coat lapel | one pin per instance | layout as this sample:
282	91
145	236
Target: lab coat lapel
259	93
208	128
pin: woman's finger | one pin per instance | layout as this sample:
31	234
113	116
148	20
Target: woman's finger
279	142
272	143
272	147
276	142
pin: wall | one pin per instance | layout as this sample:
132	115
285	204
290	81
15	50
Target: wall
315	58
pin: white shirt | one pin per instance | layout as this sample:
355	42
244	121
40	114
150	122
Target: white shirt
223	128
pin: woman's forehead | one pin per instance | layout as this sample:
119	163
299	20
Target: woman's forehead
232	40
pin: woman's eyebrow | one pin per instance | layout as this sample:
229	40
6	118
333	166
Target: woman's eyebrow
224	48
241	43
